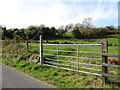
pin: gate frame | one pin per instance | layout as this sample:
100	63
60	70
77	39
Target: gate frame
105	55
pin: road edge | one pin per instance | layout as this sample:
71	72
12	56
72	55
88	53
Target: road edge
29	76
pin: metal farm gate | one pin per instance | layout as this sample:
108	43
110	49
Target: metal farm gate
83	58
71	62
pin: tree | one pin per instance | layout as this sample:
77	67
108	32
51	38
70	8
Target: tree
87	23
31	32
10	33
62	27
111	27
46	32
53	32
61	31
80	26
69	26
4	32
76	33
22	33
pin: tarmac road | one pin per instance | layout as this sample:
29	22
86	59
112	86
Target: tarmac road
12	78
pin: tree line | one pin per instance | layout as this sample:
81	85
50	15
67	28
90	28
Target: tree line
77	31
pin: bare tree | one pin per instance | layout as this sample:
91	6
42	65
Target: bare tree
79	25
87	23
69	26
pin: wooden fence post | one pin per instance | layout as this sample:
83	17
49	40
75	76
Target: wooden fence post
41	49
27	46
104	60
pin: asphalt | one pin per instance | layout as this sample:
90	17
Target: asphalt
11	78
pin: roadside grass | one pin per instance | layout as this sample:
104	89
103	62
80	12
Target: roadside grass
16	56
58	77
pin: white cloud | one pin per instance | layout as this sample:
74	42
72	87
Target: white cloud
22	13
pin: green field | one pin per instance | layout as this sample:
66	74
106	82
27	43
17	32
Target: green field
112	42
112	48
58	77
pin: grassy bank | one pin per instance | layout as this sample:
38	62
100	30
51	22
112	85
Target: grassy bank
57	77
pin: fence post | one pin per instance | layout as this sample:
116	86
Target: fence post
57	54
104	60
77	57
41	49
27	46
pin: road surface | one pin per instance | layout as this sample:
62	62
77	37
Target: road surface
12	78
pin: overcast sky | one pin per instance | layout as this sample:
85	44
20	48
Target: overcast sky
23	13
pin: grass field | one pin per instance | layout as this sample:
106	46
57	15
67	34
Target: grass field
112	42
55	76
113	48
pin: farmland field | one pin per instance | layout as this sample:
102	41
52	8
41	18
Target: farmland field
95	52
112	42
64	78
